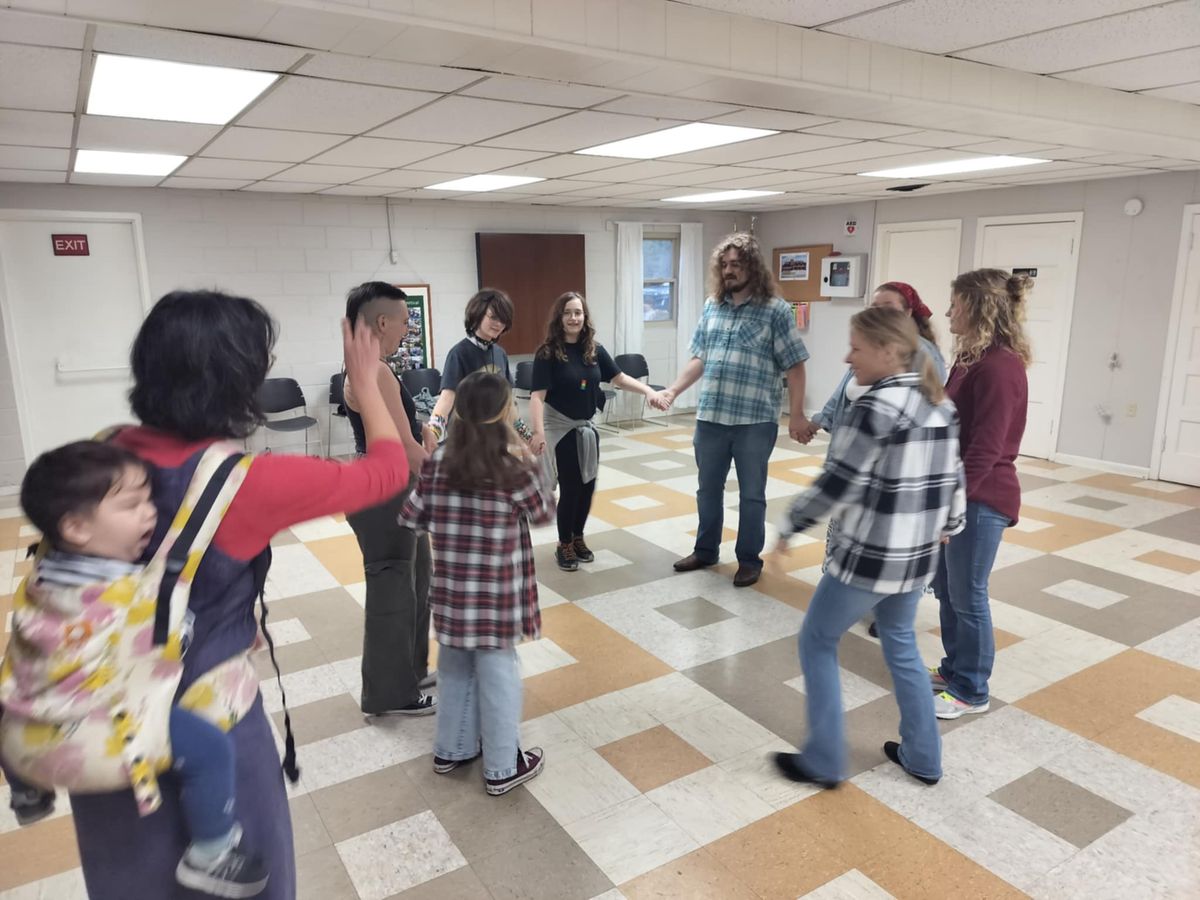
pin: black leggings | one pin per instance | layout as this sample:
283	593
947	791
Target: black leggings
574	497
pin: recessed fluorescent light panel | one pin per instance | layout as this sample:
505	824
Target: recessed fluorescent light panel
117	162
957	166
136	88
682	139
718	196
483	183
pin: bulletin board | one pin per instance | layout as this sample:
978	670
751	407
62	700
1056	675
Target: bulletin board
416	350
797	271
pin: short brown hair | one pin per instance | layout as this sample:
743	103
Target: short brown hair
488	298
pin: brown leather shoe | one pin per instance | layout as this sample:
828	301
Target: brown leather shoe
691	564
746	576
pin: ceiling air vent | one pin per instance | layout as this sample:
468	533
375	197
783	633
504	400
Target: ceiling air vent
905	188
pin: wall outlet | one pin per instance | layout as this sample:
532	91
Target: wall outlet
1131	410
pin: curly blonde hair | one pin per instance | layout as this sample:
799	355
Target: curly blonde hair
994	301
760	280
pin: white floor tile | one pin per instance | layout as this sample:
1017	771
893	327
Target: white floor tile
1089	595
319	529
288	631
630	839
709	804
399	856
541	656
607	718
721	732
1177	714
296	571
582	786
852	885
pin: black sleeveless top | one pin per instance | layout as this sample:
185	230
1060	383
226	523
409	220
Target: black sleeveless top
410	410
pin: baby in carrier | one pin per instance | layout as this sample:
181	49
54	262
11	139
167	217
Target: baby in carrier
92	503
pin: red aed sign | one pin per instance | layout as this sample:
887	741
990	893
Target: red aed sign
70	244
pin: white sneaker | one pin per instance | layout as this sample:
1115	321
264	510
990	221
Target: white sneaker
947	706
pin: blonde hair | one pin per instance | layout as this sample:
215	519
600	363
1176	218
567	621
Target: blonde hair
994	301
882	325
758	274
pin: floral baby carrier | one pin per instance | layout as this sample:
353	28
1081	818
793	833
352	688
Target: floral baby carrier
91	673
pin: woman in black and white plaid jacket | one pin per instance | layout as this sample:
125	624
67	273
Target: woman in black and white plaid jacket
893	481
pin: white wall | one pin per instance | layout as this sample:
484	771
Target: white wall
1122	302
299	255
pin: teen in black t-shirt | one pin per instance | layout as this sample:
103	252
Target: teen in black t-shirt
567	371
488	316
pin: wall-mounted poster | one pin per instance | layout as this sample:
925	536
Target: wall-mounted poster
416	350
793	267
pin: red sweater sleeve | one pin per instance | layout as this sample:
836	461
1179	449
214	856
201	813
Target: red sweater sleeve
283	490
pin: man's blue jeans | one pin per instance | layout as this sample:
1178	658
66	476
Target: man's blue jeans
749	448
961	586
834	608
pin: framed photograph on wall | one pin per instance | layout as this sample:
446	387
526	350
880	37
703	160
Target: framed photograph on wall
793	266
416	350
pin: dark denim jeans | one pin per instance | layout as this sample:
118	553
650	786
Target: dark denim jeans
749	448
961	586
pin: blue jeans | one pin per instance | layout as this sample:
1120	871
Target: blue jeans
479	698
834	608
961	586
749	448
202	756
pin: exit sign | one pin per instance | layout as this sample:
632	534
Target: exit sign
70	244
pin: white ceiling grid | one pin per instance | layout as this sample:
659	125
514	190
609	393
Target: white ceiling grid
380	98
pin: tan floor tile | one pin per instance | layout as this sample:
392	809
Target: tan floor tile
37	852
323	719
1125	484
697	876
22	568
780	856
653	758
1041	463
607	660
341	556
1171	561
663	437
669	504
1003	638
320	875
1066	531
1157	748
727	534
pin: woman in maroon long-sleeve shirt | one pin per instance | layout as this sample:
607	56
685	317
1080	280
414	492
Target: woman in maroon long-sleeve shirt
988	385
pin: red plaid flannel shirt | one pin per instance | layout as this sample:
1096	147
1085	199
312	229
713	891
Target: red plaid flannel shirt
484	590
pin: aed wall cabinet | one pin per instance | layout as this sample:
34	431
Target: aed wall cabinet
843	276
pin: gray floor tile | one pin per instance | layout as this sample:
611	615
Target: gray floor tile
547	866
1061	807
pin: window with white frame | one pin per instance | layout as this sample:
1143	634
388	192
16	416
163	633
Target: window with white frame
660	276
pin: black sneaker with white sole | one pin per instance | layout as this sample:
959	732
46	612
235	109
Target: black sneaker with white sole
31	805
426	705
529	765
233	874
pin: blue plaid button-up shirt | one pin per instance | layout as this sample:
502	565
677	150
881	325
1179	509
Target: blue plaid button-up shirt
745	349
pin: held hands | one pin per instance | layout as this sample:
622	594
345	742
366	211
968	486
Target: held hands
537	443
802	430
428	439
661	400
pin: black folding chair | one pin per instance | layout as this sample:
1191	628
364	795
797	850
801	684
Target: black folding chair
283	395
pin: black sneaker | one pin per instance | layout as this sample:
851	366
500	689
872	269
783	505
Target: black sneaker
892	751
233	874
31	805
529	765
565	556
443	766
582	553
873	629
425	705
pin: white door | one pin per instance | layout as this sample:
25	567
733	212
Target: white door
70	321
925	255
1046	251
1180	459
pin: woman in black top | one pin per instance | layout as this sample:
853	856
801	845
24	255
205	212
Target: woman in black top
567	371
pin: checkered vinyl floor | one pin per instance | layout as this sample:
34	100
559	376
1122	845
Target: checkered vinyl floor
658	698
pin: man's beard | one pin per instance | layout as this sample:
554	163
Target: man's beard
733	286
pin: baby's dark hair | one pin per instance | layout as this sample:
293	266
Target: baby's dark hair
73	478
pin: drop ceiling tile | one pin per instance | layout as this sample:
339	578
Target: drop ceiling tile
807	13
286	187
898	160
33	158
357	190
1170	26
719	175
556	186
1188	93
610	190
668	107
206	167
309	172
385	154
386	73
407	178
32	175
270	144
46	31
774	119
56	83
943	26
36	129
143	135
833	155
308	27
1062	153
494	197
1118	159
466	120
532	90
115	180
205	184
203	49
476	160
666	78
1012	148
773	181
943	138
863	131
579	130
369	37
432	46
245	18
314	104
1157	70
776	145
565	165
640	171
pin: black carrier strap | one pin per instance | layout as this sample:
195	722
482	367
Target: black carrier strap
177	557
262	564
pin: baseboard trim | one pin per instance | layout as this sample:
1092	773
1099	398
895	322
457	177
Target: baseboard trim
1087	462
